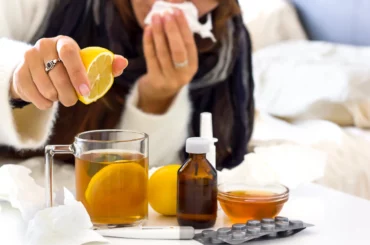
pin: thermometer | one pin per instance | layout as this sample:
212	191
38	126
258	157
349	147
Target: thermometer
151	232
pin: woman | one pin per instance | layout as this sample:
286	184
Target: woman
156	93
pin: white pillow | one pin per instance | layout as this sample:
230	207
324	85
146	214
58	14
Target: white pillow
314	80
271	21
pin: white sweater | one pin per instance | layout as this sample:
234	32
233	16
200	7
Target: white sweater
30	128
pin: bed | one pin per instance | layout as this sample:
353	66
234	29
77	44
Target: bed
274	25
313	89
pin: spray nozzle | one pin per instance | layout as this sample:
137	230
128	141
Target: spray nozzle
206	128
206	131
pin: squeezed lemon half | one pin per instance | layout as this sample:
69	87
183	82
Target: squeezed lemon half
98	64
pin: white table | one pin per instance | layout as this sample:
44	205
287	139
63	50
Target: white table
338	219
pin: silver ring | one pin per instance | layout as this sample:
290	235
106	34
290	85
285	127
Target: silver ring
51	64
182	64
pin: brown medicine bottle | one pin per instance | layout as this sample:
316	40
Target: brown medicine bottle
197	187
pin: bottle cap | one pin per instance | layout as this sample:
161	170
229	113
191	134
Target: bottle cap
197	145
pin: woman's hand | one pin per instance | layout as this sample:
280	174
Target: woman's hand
33	84
172	61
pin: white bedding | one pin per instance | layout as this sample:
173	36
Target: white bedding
314	80
348	165
271	21
322	91
347	169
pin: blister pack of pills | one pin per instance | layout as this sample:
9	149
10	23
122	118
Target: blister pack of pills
253	230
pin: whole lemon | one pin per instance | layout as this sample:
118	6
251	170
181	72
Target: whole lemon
163	190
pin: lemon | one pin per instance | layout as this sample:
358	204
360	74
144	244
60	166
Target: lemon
120	187
98	64
163	190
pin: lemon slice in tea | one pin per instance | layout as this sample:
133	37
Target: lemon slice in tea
121	188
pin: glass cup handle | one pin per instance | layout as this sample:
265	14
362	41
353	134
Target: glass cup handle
50	151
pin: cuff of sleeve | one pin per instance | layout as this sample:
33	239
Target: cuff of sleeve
167	132
136	119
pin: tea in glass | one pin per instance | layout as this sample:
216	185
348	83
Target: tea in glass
113	186
111	175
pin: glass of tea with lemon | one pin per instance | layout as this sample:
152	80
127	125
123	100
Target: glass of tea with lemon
111	169
111	166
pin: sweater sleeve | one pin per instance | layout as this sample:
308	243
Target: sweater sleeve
167	132
20	128
28	127
22	19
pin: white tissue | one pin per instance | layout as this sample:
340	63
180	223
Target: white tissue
21	190
68	224
191	14
286	164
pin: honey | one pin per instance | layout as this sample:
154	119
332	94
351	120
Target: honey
241	206
113	186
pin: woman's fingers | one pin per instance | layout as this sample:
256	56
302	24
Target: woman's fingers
187	36
39	76
31	82
58	75
28	90
69	53
119	64
149	51
161	45
175	40
66	92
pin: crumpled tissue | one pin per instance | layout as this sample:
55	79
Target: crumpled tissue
191	14
287	164
21	190
66	224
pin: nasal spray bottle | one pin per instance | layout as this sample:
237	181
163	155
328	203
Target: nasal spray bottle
197	180
206	131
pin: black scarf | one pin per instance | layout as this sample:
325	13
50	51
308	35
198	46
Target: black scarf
223	84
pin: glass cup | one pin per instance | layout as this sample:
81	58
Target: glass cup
111	171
